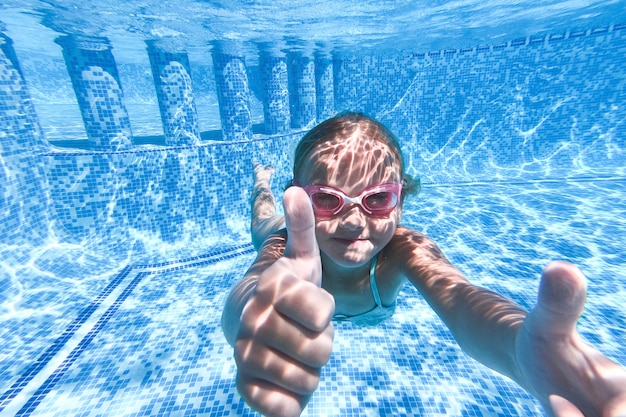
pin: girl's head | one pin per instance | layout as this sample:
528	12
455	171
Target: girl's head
352	168
360	146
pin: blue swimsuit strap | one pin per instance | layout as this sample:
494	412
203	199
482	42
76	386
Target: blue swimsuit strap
373	282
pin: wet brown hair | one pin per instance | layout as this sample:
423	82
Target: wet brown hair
343	126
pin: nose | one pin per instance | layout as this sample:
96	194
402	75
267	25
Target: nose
353	219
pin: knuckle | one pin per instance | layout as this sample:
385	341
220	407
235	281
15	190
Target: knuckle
321	357
320	322
324	313
247	321
269	399
306	386
252	397
321	350
242	352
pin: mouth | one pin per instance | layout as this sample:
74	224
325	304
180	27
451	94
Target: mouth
350	241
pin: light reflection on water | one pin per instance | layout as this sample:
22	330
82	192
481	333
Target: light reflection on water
499	235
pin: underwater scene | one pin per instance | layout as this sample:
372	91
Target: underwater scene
128	133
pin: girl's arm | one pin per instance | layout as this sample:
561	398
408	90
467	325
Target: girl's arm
483	323
278	318
540	350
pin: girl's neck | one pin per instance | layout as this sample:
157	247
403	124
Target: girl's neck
331	271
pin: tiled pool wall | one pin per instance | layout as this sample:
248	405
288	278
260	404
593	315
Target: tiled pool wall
527	109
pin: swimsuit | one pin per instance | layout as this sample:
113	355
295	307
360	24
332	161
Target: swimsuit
377	314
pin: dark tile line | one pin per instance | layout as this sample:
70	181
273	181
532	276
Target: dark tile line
33	370
58	373
194	258
58	344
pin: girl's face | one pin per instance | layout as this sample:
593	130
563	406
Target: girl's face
352	237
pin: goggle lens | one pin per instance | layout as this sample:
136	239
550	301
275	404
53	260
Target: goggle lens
325	201
380	201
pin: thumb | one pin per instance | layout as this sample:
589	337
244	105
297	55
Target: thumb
300	222
561	300
563	408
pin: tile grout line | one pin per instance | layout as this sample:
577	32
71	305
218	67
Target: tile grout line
65	346
32	386
32	371
83	341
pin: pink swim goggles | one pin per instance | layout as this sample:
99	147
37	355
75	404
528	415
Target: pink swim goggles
377	200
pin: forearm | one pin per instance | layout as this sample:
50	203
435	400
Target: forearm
485	325
236	301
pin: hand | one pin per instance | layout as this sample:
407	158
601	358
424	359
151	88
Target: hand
567	375
286	334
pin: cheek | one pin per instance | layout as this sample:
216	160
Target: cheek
325	227
380	229
383	229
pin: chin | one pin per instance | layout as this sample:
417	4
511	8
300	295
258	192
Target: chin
350	259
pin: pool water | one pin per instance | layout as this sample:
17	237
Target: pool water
118	246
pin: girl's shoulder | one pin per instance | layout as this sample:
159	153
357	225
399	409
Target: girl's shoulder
421	261
411	246
408	239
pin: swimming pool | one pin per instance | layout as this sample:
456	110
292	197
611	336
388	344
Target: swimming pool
123	230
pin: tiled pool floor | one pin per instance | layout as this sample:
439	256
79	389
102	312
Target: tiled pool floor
146	339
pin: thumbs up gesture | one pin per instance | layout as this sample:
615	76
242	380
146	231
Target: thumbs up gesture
286	335
570	377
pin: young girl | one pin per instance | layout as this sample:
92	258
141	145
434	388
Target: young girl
340	254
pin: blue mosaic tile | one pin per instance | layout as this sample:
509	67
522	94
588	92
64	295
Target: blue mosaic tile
233	92
302	91
324	86
172	78
276	90
95	78
23	199
179	192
